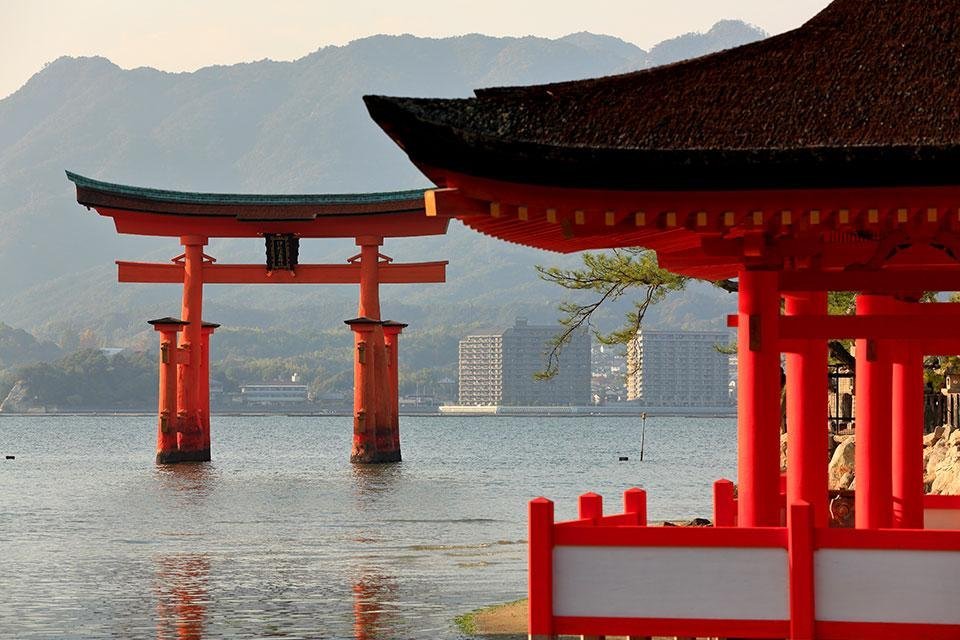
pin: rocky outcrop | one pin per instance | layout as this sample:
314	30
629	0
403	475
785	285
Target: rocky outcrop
18	400
941	462
841	468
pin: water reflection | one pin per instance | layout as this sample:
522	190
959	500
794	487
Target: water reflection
181	589
375	612
194	479
373	480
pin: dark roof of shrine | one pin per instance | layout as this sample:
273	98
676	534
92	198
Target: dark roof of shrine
864	94
94	193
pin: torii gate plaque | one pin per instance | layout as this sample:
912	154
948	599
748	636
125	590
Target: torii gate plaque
183	407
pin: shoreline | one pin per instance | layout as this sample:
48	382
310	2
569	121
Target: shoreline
337	414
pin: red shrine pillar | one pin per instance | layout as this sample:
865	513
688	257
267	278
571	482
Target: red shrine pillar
376	403
807	400
207	329
874	499
168	328
364	406
192	438
907	435
758	394
391	332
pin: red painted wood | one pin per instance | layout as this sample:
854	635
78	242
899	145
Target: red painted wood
364	447
806	407
635	505
724	504
878	326
392	225
874	507
889	280
590	507
885	631
568	625
772	537
941	502
801	517
391	334
540	567
389	273
907	439
167	396
758	392
191	438
898	539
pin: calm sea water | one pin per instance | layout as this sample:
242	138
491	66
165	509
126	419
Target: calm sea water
280	536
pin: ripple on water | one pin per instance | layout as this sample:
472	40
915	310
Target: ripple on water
100	542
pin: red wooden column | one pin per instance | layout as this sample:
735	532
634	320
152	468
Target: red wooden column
364	425
168	328
207	330
807	414
874	506
758	393
191	439
377	403
907	436
391	335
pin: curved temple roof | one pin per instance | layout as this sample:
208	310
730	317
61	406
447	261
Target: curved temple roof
864	94
148	211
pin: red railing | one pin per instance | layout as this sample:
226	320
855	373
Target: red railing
613	575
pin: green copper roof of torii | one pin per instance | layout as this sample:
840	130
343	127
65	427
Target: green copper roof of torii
165	195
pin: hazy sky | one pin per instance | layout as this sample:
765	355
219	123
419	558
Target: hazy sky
183	35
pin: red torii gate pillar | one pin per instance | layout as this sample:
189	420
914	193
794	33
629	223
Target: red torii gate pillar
167	450
391	333
375	397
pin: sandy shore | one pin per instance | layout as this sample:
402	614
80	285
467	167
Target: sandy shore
502	620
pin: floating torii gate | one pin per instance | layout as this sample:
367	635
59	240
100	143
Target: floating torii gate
183	429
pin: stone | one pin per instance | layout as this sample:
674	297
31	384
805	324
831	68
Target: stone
783	452
842	464
933	437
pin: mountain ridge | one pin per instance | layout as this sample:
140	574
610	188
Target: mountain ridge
271	127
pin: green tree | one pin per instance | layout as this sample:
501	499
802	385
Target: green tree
610	276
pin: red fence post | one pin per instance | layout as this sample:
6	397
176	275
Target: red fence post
540	558
635	502
724	505
800	533
590	507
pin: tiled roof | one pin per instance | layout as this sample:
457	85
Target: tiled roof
867	93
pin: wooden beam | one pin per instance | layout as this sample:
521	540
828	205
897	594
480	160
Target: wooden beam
914	326
452	203
941	278
390	273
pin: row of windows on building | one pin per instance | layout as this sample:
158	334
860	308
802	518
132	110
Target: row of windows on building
664	368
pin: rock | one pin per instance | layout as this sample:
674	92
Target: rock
783	452
841	469
932	457
954	438
933	438
16	400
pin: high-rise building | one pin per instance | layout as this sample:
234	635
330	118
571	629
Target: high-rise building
499	368
678	369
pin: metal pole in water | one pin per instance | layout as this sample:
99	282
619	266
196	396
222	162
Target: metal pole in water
643	432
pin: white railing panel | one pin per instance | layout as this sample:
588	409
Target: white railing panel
694	583
881	585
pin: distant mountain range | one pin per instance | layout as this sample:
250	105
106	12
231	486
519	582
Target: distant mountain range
285	127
